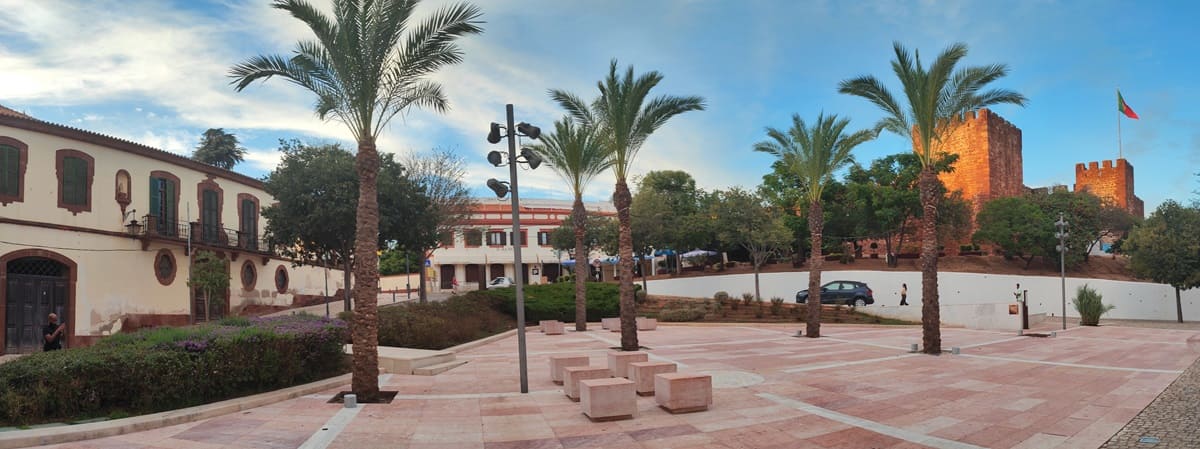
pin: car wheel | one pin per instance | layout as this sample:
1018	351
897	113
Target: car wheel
860	302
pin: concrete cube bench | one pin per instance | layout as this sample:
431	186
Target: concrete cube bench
572	375
558	362
683	392
618	361
610	323
642	374
552	327
607	399
647	324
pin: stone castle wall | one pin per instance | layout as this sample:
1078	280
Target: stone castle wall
1112	183
989	158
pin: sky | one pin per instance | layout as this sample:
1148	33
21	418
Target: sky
156	72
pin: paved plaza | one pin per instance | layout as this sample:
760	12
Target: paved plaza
857	387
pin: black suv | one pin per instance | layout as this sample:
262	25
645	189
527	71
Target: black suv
841	292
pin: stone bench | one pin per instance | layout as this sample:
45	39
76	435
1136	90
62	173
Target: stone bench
618	361
642	374
558	362
607	399
552	327
683	392
572	375
610	323
647	324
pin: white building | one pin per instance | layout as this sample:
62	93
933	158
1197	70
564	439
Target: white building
96	228
483	249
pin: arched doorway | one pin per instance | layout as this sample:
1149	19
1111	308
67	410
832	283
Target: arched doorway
35	284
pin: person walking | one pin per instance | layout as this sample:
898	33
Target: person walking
454	285
904	294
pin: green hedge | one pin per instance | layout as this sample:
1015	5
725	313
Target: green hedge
168	368
438	325
554	301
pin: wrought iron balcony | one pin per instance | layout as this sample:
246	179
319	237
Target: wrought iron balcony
201	233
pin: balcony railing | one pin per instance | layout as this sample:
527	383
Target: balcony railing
202	233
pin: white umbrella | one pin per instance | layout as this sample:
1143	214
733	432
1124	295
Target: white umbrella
698	253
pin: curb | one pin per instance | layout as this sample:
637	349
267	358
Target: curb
67	434
482	341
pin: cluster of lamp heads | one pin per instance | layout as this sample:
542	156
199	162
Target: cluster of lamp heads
497	158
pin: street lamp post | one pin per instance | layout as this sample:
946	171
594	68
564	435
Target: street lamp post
1061	224
501	188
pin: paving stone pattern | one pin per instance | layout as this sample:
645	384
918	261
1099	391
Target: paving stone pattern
1173	418
857	387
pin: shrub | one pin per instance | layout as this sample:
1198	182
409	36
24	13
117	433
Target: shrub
167	368
553	301
776	306
639	296
1088	302
747	298
681	314
438	325
721	296
758	312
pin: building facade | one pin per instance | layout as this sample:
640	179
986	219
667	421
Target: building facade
482	249
103	231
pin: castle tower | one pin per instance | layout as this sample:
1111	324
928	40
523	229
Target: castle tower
1111	184
989	158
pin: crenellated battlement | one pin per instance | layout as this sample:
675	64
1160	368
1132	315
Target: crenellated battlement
1111	180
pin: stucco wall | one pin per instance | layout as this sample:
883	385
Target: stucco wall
1133	300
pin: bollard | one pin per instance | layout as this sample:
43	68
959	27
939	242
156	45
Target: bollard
1020	332
350	400
1053	334
954	350
800	333
913	348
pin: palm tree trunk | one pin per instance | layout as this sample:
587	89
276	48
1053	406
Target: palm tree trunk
816	223
579	216
622	199
930	311
365	382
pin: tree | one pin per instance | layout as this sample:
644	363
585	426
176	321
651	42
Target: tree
664	213
1166	248
813	155
935	98
210	275
313	220
574	152
1017	226
367	64
742	219
1082	210
624	120
887	196
219	148
440	174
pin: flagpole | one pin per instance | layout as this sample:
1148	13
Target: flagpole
1120	151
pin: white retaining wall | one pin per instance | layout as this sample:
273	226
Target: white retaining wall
1133	300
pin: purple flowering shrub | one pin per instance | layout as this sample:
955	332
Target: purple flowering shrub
167	368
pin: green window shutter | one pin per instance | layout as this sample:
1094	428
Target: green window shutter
169	201
10	159
155	197
75	188
249	217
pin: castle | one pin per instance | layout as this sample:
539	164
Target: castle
990	165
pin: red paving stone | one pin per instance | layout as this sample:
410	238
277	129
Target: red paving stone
1009	398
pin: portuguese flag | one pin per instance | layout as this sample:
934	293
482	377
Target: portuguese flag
1124	108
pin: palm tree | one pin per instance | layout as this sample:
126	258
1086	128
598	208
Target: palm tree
367	64
813	155
219	148
624	119
936	96
576	155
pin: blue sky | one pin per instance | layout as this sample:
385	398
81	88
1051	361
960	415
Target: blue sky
155	72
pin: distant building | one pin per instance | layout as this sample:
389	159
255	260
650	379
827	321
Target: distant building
96	229
482	249
1113	184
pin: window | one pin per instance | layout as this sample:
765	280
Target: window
473	238
281	279
497	238
13	156
249	275
164	204
524	238
210	215
543	238
446	239
75	170
164	267
247	221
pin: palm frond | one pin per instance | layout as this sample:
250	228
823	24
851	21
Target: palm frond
574	153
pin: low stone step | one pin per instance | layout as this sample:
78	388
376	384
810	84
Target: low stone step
406	360
433	370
